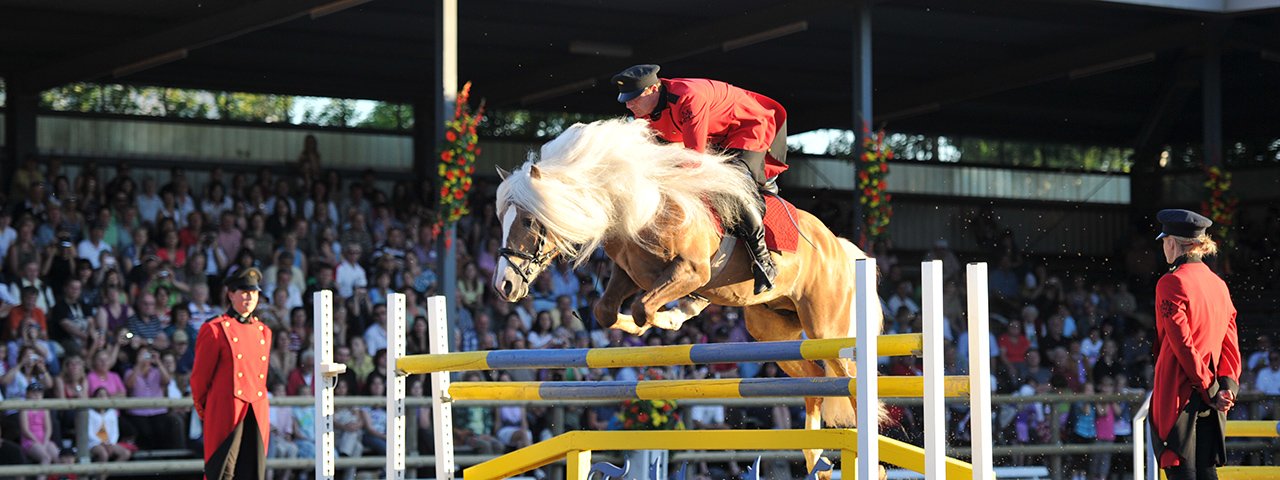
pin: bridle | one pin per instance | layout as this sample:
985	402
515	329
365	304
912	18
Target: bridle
539	259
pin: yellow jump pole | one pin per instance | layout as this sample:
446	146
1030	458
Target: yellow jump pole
668	355
893	387
1253	428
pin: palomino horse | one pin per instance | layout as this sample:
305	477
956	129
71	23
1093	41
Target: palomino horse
650	205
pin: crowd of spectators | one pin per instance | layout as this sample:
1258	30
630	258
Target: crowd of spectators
107	278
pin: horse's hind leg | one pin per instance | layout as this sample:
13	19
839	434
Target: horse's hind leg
767	325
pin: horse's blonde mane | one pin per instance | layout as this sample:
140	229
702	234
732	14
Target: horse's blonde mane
611	179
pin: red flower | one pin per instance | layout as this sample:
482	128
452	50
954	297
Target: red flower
643	418
458	194
446	156
450	136
444	192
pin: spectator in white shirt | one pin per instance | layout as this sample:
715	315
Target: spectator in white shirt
149	202
1268	379
902	297
1258	359
349	271
92	247
7	233
104	433
284	279
31	278
199	306
375	337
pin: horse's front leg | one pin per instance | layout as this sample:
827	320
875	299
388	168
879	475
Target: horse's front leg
677	281
606	309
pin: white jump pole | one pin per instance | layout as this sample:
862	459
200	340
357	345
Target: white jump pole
866	306
396	341
935	432
323	379
441	404
979	372
1140	450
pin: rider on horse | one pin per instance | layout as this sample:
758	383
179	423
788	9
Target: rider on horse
698	112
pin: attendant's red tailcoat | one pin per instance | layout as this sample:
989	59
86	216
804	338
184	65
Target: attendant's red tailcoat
230	376
1197	351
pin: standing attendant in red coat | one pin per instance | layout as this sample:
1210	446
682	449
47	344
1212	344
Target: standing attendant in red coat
1197	369
702	113
229	384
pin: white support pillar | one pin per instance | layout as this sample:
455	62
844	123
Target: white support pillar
866	305
323	379
1140	450
396	341
935	430
980	372
441	404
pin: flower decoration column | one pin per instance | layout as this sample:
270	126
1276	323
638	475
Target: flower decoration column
873	168
1221	208
458	158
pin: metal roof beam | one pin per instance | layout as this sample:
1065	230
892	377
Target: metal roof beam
560	79
1206	6
1164	113
1250	37
1072	63
149	51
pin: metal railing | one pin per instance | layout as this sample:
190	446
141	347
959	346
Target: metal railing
1144	455
1054	450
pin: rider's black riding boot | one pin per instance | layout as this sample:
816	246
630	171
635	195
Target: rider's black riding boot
751	231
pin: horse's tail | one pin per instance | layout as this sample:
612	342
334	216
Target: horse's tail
840	411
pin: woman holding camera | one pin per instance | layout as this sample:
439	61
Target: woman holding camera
156	427
30	368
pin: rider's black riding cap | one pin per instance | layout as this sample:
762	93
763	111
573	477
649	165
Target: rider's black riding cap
632	81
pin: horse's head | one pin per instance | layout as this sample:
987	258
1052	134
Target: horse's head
526	251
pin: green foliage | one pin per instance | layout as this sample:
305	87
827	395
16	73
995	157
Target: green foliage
528	124
389	116
84	97
987	151
167	102
337	112
253	107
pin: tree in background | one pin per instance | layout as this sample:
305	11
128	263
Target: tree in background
388	116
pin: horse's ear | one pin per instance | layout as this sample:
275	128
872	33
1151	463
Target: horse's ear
502	173
534	173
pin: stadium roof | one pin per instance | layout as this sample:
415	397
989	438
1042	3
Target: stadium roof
1111	72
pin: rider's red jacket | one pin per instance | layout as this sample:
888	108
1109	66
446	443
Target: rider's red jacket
699	112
